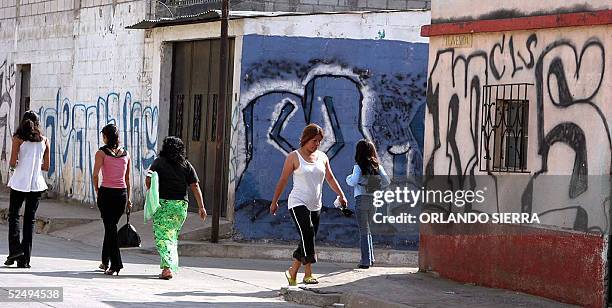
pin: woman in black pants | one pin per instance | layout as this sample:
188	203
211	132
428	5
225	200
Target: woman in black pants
309	168
29	157
113	194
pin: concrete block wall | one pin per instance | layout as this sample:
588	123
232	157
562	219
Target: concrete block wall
87	70
329	5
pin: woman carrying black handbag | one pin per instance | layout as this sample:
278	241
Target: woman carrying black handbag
127	237
113	194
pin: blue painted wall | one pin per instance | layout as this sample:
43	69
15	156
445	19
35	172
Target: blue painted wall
354	89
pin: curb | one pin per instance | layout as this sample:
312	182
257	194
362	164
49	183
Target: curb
313	297
46	225
284	252
309	297
225	232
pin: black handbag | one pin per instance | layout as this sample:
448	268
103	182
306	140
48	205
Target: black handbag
127	236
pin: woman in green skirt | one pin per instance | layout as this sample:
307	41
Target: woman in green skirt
175	174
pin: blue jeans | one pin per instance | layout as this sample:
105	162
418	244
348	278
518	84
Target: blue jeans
365	210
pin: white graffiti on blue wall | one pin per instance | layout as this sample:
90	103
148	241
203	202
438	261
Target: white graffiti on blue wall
378	94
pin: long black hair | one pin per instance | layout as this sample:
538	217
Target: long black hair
111	133
173	149
29	128
366	157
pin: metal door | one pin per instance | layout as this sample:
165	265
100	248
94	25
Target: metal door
194	103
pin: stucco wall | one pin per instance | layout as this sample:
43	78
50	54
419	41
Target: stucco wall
569	116
568	156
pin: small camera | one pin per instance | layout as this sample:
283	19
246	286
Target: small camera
346	211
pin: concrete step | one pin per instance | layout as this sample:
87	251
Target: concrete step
46	225
226	228
193	228
231	249
53	215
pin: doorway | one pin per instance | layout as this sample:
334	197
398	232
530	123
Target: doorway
24	89
193	112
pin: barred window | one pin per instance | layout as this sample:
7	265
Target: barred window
504	128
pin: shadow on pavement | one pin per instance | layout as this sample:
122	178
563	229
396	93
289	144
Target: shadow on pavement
197	304
82	274
261	294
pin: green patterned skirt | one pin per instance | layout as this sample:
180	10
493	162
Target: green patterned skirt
167	223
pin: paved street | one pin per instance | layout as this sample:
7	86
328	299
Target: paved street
229	282
201	281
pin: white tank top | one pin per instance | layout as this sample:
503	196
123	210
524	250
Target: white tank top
28	176
308	182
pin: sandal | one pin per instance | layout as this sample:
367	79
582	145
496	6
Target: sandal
165	275
310	280
290	281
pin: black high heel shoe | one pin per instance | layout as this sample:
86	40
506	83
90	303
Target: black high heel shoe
10	260
111	272
103	267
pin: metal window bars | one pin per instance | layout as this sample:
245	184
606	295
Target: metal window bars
197	115
504	128
178	129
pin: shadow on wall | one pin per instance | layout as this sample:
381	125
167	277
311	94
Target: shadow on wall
376	93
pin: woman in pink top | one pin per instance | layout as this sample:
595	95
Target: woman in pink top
113	194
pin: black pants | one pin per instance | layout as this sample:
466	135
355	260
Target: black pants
111	203
29	221
307	224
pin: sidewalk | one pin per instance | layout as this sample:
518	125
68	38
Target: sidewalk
201	282
392	287
341	283
81	222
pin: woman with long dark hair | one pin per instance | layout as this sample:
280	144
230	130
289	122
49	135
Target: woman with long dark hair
175	174
309	168
113	194
29	157
367	172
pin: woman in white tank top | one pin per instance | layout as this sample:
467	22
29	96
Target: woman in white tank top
309	167
29	158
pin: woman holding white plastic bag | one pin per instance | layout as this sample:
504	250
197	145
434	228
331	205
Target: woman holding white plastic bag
175	174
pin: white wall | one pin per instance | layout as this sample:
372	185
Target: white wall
83	60
578	135
401	26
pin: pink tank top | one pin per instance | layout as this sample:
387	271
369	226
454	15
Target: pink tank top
113	171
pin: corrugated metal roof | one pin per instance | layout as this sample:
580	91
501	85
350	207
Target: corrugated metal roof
215	15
